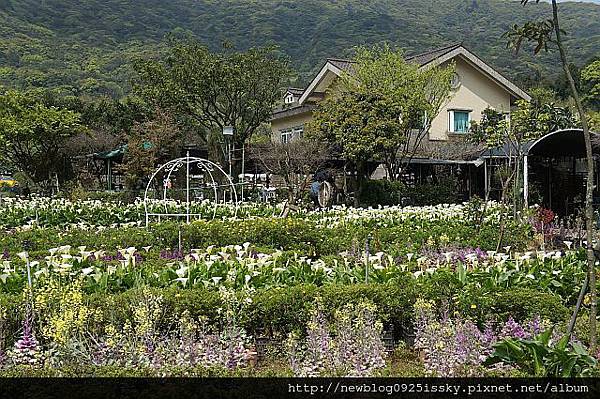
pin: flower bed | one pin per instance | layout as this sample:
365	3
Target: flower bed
193	299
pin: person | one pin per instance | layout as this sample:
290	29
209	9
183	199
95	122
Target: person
315	187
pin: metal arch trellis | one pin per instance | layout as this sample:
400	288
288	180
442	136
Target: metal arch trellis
174	166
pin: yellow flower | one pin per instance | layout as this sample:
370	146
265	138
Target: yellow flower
473	306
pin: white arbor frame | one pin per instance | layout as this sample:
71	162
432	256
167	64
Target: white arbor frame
207	167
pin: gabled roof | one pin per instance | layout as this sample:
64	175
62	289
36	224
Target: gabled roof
334	65
344	65
429	58
425	58
421	59
295	91
460	50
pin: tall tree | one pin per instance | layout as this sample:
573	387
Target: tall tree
33	134
382	109
545	34
149	143
213	90
296	162
590	77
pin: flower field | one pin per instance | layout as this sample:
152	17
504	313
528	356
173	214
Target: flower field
86	289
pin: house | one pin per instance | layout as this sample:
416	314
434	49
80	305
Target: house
475	87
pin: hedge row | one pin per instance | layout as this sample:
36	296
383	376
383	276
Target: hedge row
290	234
278	311
386	192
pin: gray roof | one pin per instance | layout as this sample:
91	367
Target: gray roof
344	65
295	91
560	143
285	112
421	59
427	57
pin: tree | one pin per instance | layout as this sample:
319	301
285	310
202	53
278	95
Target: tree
382	110
296	162
149	143
213	90
594	121
547	33
33	135
109	124
590	76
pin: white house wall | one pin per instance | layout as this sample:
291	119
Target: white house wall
475	93
288	123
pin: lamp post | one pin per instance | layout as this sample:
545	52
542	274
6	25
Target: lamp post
187	149
228	135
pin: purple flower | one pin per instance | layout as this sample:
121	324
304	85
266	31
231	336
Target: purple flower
534	326
512	329
453	347
26	350
489	336
5	255
171	255
352	346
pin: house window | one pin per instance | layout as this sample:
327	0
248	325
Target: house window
298	131
286	136
459	121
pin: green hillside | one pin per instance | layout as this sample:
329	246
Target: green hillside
85	46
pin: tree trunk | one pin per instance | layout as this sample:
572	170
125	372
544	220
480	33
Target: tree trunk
589	197
236	167
292	193
360	180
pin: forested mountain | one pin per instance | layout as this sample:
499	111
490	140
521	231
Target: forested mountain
85	47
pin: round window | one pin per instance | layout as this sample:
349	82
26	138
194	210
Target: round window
455	83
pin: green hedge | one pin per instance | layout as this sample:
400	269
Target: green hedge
385	192
523	303
278	311
483	304
290	234
274	312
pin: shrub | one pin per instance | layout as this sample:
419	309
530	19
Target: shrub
386	192
524	303
382	192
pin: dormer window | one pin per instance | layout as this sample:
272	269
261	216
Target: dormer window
289	98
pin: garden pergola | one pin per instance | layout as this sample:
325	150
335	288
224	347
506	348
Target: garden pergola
555	162
110	157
